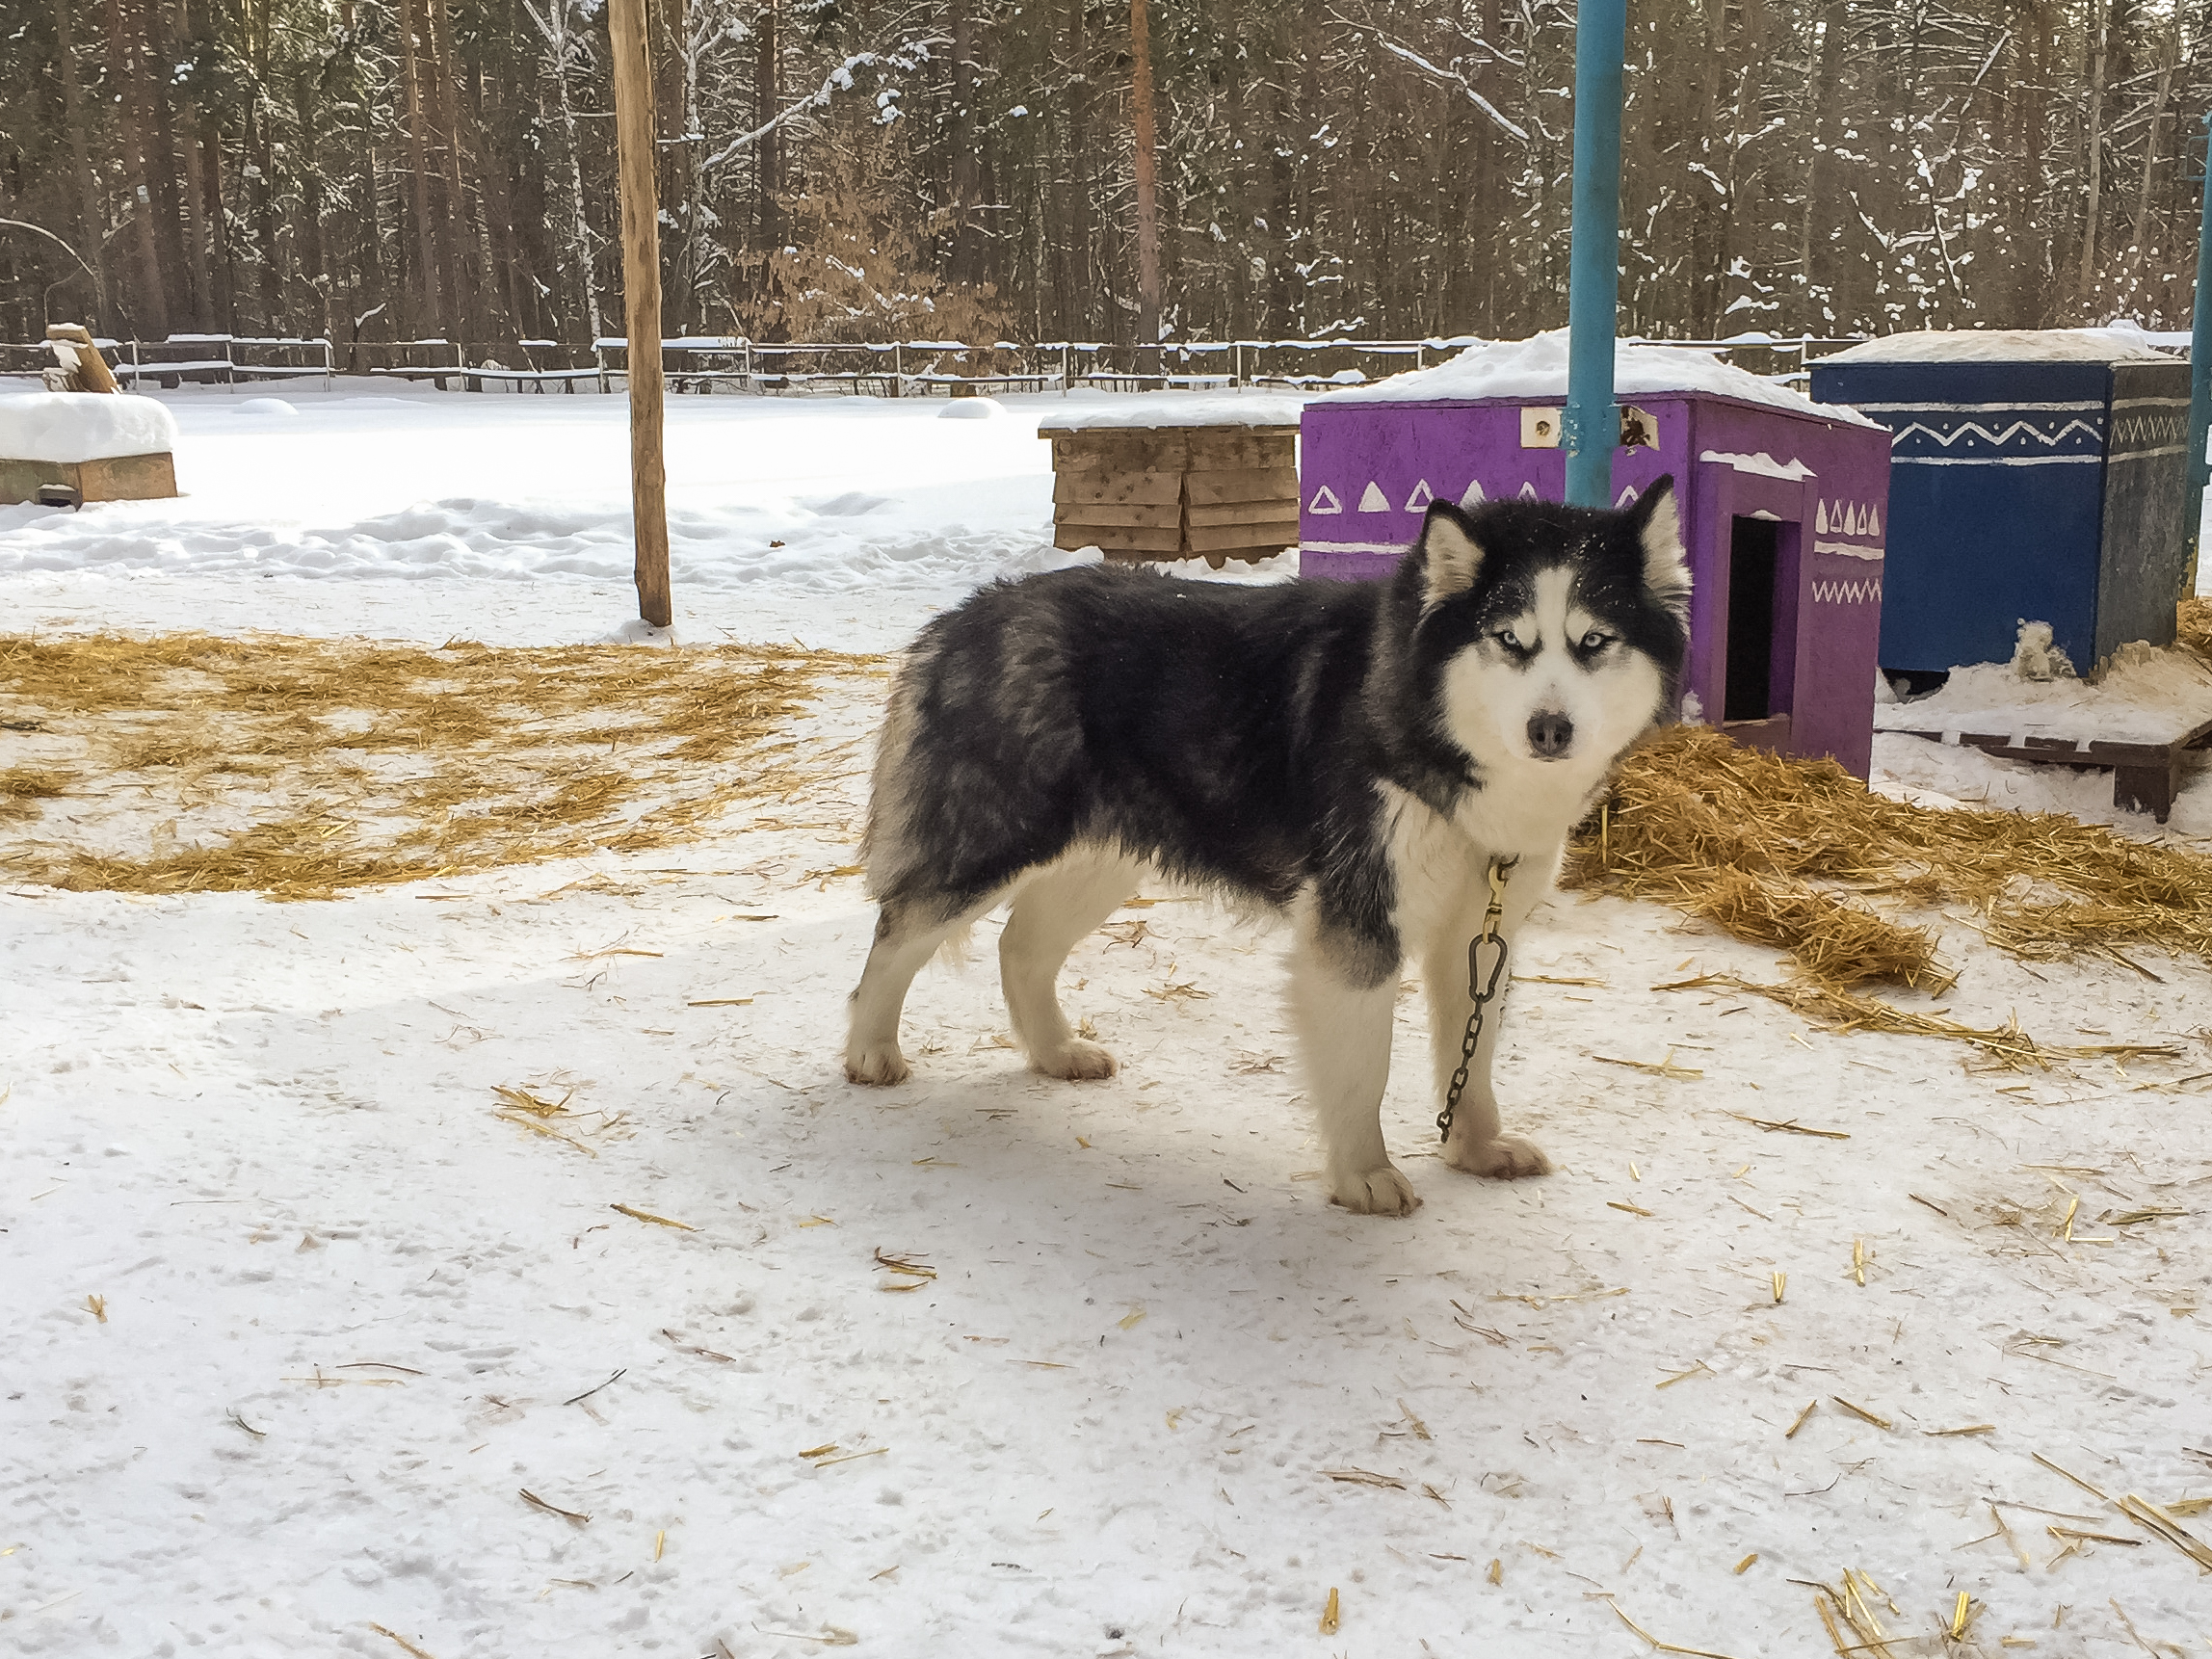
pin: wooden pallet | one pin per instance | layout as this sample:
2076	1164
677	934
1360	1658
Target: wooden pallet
118	478
1145	493
2144	774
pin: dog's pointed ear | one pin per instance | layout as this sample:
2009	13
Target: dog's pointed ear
1450	553
1658	524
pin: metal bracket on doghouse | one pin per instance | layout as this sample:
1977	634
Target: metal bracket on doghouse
1637	430
1539	429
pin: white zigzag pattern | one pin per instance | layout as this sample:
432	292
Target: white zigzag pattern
2143	431
1847	593
2000	438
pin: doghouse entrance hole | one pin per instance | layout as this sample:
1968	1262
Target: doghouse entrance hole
1754	553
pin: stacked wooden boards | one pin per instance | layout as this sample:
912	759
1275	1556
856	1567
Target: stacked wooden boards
1145	493
117	478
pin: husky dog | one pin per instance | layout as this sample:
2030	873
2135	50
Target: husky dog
1350	754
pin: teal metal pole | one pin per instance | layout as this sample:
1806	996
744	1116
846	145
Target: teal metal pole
2201	373
1590	429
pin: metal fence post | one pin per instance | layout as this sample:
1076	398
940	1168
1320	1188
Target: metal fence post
1590	428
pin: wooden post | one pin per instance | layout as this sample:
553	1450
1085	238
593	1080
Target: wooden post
641	302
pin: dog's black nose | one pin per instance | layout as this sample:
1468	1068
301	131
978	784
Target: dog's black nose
1550	736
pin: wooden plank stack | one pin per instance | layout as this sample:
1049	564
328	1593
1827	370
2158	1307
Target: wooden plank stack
1145	493
117	478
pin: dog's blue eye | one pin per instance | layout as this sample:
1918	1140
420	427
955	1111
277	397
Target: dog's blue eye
1596	640
1508	638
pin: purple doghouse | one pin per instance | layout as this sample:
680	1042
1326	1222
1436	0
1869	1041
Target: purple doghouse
1783	505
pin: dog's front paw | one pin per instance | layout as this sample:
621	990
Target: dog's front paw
1509	1157
1077	1061
1379	1192
881	1063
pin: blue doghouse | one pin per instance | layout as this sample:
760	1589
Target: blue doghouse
2046	491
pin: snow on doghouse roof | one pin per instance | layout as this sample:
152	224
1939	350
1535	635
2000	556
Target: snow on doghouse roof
2118	343
83	425
1537	368
1226	408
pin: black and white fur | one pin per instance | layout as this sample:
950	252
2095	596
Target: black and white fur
1348	755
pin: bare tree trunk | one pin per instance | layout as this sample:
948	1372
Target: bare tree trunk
433	312
2140	229
127	59
162	158
964	265
767	153
2095	158
463	283
1076	315
1146	167
223	298
91	238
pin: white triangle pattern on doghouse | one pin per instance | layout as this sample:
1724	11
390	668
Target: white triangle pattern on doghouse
1373	500
1473	495
1528	493
1325	502
1854	519
1626	497
1420	498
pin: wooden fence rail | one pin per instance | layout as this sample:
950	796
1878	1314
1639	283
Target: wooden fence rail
881	368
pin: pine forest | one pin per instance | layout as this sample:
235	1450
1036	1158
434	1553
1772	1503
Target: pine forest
881	170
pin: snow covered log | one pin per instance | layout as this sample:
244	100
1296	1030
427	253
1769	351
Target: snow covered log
104	446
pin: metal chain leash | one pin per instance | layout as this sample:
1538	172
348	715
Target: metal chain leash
1482	988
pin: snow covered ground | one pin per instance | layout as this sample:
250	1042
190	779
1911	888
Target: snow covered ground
291	1319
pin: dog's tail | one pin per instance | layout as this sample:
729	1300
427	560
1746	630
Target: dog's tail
885	839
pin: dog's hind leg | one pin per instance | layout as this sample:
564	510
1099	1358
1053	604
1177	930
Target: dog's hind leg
903	943
1054	908
1344	1042
1477	1145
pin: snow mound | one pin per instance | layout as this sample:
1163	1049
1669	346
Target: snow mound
83	425
1537	368
2114	344
265	407
637	631
2147	694
849	544
972	409
1179	408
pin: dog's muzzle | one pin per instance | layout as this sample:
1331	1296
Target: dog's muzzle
1550	736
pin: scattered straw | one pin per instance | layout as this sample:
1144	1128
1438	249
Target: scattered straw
2005	1047
1783	851
307	767
1365	1478
637	1215
1657	1645
22	788
1331	1612
1862	1412
1853	1606
1790	1125
1664	1067
1797	1422
395	1635
536	1502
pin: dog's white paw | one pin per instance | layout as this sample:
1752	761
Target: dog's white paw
1379	1192
1509	1157
880	1064
1077	1061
